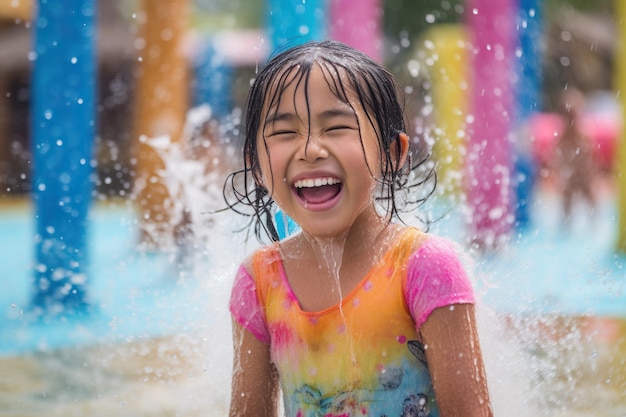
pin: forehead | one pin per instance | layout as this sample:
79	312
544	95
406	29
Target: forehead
303	82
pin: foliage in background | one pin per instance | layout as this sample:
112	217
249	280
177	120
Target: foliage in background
582	5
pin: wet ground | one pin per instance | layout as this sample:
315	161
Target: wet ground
573	367
157	377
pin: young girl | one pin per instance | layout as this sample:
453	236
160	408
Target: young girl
354	315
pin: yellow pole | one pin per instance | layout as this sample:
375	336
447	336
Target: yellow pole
620	85
443	51
161	106
16	9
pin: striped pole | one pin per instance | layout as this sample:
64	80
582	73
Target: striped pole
488	161
63	131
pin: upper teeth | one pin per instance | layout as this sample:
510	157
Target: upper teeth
316	182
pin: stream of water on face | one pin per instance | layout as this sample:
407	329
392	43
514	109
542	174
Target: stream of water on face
160	342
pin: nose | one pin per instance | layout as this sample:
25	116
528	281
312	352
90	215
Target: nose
313	149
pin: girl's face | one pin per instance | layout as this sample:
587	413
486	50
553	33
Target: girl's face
319	164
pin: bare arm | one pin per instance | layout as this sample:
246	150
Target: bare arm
455	362
255	381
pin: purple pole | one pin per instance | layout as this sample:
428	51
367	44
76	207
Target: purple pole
358	24
489	154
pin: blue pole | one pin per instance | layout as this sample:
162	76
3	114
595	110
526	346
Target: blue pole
528	95
530	41
63	131
292	22
213	81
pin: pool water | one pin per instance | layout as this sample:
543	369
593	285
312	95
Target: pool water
551	315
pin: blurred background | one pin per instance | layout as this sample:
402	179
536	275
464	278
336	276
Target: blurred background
121	119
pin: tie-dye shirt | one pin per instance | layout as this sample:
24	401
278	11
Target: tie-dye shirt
361	357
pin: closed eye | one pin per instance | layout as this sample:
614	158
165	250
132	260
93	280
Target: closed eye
281	133
340	129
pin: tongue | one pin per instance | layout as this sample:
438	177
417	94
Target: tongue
316	195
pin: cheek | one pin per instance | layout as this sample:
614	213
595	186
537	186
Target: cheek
262	171
271	167
371	149
372	160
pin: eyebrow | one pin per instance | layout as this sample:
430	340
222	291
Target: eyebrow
325	115
338	112
277	117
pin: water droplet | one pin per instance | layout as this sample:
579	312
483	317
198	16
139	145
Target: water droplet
140	43
167	34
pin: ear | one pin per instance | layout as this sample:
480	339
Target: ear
402	140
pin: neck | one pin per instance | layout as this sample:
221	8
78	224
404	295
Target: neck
362	237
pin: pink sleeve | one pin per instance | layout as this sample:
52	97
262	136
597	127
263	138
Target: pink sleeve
245	307
436	278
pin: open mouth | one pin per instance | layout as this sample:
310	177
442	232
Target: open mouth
318	190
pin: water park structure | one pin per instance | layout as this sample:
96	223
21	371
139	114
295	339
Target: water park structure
97	276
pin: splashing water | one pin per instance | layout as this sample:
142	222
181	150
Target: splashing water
332	252
160	342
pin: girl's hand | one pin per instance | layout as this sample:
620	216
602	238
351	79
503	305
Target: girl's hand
255	380
455	362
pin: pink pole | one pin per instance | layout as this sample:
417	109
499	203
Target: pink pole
489	151
358	24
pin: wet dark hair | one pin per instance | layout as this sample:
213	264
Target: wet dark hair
351	76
